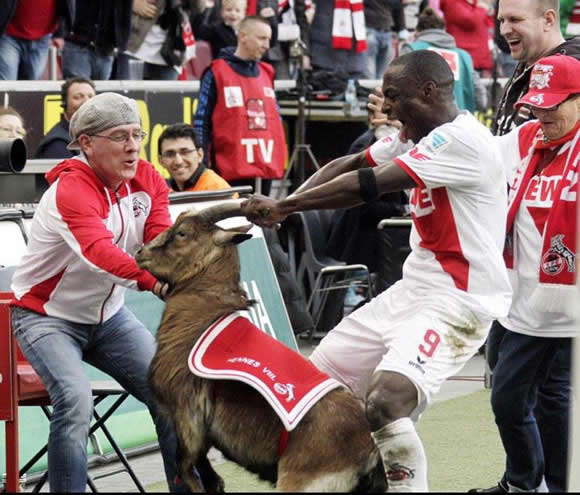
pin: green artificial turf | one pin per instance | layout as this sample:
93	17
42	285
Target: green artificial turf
462	444
460	437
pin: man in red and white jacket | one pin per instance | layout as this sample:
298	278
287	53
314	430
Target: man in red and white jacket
68	305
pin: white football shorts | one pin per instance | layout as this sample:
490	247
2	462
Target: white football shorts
425	337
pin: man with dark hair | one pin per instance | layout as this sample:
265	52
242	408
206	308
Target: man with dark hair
398	349
74	92
237	120
181	155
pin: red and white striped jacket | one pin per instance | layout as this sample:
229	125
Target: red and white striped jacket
79	258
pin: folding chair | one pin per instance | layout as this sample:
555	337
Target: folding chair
394	249
21	386
315	271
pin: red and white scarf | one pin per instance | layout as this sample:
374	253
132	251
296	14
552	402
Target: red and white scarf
574	22
188	38
348	20
556	291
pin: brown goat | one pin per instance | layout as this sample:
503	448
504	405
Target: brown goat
331	449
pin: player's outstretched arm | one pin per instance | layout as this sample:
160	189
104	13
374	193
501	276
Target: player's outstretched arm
345	191
333	169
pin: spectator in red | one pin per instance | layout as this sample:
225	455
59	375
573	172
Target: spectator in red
26	32
468	22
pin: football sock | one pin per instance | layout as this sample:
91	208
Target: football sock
403	456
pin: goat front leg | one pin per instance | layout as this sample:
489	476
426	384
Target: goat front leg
190	437
185	470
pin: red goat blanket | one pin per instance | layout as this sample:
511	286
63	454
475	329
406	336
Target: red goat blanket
234	349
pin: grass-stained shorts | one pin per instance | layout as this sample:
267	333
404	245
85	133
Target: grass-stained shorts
426	337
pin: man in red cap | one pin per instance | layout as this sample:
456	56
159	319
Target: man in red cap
540	254
531	28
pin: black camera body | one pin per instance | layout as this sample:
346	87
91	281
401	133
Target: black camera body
12	155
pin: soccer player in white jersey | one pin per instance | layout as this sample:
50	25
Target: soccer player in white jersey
397	350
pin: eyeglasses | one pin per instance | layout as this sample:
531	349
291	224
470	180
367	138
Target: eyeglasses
11	130
123	137
172	154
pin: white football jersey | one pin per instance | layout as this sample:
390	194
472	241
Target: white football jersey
459	210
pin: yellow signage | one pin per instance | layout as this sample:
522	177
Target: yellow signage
149	150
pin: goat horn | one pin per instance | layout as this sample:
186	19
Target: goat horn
216	213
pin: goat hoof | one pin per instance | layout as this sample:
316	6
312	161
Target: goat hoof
216	486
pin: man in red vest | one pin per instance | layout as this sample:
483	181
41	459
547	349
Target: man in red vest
237	119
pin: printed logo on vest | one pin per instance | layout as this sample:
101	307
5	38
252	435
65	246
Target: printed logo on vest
452	59
256	115
233	96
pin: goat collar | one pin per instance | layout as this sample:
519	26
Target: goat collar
283	443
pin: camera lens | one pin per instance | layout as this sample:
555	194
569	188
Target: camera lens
12	155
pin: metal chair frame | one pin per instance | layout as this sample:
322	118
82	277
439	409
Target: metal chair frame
315	271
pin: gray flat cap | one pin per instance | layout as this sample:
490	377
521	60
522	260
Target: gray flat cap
102	112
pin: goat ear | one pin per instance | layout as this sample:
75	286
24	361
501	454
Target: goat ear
222	237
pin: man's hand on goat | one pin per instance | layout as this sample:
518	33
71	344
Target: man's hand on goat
160	289
262	211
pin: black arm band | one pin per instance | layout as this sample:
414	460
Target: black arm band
368	184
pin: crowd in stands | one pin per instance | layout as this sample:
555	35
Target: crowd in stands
161	40
238	139
158	39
